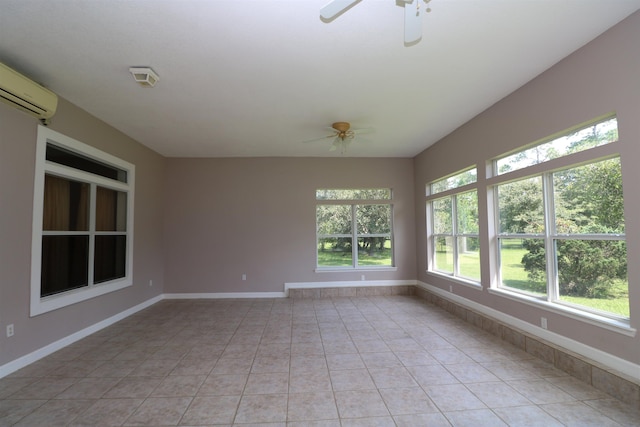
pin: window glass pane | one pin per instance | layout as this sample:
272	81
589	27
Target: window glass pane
469	258
591	136
442	222
335	252
110	258
78	161
521	206
523	265
66	205
593	273
467	212
443	254
588	199
355	194
455	181
333	219
374	251
111	210
373	219
65	264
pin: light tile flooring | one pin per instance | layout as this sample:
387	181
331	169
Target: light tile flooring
365	361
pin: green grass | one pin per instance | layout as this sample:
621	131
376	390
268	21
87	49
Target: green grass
618	303
469	264
514	276
513	273
334	258
338	257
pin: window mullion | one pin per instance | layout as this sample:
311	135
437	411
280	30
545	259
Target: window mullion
549	241
92	232
454	234
354	237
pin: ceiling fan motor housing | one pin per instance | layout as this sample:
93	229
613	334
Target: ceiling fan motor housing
343	130
341	126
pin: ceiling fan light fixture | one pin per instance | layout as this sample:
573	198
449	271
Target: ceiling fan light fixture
342	136
144	76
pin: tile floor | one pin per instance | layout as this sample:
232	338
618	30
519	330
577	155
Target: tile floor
362	361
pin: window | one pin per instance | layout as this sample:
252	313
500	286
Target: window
82	223
354	228
452	226
594	135
560	230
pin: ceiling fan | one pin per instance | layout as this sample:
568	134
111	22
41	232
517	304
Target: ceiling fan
412	13
342	136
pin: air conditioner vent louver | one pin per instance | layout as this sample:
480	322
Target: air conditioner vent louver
26	95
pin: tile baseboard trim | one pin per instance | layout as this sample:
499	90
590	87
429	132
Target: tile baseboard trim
34	356
349	288
593	366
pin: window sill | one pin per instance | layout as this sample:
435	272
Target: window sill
54	302
352	269
459	280
619	326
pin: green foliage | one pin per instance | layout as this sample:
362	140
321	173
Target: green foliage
589	268
335	226
588	201
583	139
467	212
458	180
515	276
534	260
331	253
521	206
354	194
591	195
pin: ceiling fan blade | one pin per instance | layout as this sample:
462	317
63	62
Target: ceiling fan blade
412	22
362	131
335	7
318	139
335	145
345	145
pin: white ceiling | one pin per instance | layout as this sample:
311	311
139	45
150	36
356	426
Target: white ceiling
259	77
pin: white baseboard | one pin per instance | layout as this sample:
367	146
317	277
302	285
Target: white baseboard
34	356
225	295
599	356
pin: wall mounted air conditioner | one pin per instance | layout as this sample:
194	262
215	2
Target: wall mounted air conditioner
26	95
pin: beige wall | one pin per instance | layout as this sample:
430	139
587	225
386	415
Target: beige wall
256	216
600	78
17	162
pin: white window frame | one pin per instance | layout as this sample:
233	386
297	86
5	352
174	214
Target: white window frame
450	193
45	136
545	170
354	203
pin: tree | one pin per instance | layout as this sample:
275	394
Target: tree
521	206
588	201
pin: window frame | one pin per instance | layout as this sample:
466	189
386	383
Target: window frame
354	235
545	172
452	193
45	137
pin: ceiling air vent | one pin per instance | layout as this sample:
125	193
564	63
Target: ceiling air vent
145	76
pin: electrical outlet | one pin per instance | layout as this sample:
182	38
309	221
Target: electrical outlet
450	288
362	277
543	322
150	283
244	277
10	330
